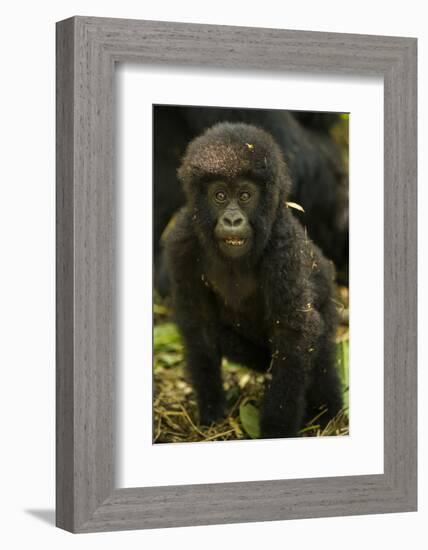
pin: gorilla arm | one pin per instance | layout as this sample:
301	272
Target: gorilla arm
295	327
197	318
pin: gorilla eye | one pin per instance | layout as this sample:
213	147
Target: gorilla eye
244	196
220	196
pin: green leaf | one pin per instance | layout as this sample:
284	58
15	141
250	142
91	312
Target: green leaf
166	338
169	359
250	419
342	354
159	309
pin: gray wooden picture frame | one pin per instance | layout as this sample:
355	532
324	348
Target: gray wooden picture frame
87	51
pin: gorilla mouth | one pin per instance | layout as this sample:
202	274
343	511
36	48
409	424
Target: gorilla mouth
234	241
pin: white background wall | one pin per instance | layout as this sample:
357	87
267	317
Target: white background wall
27	272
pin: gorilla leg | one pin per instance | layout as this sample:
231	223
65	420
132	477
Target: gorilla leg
325	391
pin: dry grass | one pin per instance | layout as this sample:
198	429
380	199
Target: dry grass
175	410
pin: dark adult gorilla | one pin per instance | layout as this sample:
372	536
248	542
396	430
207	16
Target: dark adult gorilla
320	182
247	282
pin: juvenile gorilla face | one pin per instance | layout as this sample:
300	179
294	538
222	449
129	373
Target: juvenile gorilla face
234	178
231	205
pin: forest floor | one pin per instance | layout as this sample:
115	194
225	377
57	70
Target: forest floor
175	416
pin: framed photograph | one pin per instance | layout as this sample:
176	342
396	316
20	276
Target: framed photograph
236	274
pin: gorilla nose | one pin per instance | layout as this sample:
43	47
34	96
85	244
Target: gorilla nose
233	219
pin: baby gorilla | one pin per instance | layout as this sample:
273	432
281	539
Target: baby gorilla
248	284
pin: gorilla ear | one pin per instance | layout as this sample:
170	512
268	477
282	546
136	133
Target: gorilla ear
180	173
185	175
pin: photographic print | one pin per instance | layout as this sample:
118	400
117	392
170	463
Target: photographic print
251	286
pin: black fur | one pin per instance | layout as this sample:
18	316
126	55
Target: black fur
271	309
319	180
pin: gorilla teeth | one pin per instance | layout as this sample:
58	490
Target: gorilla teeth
234	241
